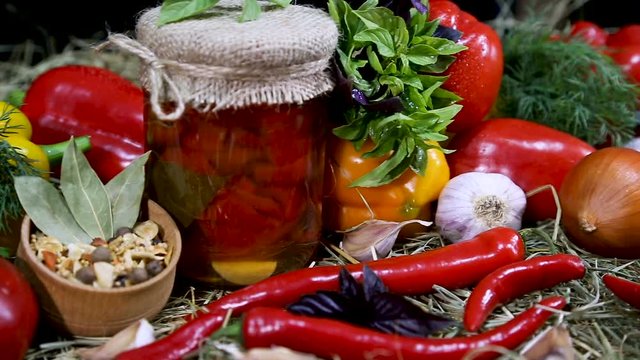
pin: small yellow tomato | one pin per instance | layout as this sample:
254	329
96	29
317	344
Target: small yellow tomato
14	122
34	153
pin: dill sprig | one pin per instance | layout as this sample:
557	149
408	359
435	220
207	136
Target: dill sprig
565	84
12	163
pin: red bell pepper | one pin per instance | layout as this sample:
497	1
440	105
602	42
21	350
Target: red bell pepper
530	154
477	72
85	100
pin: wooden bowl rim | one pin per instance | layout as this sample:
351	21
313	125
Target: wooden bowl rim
52	276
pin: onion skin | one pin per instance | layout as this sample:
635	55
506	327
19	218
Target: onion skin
600	199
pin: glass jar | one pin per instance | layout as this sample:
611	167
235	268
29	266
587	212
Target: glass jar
237	137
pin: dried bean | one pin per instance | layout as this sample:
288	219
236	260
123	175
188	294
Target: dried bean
138	275
86	275
154	267
101	254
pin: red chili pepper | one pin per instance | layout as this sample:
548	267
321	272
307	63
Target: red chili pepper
517	279
329	339
530	154
452	266
626	290
84	100
477	72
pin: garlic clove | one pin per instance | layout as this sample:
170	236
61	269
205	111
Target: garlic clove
135	335
474	202
380	235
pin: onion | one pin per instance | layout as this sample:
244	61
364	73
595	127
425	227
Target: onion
600	200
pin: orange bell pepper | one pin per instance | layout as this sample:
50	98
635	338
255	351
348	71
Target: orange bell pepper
407	197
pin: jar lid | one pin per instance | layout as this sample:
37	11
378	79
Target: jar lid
214	61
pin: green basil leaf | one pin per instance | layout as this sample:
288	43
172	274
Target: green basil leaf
281	3
125	193
395	84
250	10
352	132
48	210
445	94
427	93
373	60
388	171
412	81
448	112
85	194
419	161
443	63
369	4
176	10
416	98
422	55
380	37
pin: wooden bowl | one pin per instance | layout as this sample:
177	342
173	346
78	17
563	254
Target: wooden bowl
81	310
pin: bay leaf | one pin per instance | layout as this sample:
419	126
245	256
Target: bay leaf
48	210
85	194
125	193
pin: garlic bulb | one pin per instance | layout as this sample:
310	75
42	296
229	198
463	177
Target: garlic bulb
474	202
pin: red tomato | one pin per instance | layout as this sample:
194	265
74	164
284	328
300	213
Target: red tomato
477	72
530	154
245	219
628	57
590	32
626	35
18	312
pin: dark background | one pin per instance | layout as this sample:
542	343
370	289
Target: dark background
51	24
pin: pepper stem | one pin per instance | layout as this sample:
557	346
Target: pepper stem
55	151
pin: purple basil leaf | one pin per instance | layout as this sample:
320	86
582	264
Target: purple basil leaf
388	106
372	285
349	287
395	314
322	304
359	97
448	33
422	8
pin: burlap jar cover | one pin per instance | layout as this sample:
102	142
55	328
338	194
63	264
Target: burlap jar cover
214	61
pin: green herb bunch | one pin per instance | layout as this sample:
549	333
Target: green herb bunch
177	10
83	208
395	68
566	84
12	163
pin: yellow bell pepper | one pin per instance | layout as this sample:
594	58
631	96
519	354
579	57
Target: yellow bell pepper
407	197
16	130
